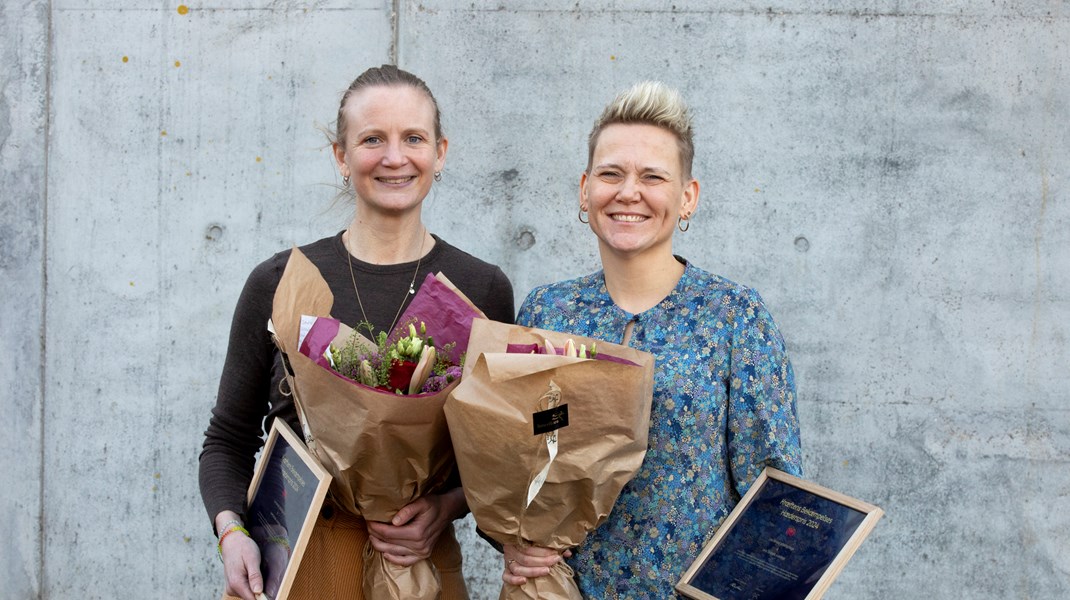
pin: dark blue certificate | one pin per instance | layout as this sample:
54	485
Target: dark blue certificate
285	498
786	540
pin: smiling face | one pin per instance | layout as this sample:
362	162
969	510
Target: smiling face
635	190
389	150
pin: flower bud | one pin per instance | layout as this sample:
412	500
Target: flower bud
367	375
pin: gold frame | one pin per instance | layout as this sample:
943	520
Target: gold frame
873	514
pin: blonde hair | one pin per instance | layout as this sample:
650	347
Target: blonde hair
385	76
649	103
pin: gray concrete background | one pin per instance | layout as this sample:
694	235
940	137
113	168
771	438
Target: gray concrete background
890	175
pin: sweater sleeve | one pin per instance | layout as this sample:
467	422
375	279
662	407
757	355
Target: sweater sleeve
236	428
500	302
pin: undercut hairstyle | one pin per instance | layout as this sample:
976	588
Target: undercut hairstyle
384	76
649	103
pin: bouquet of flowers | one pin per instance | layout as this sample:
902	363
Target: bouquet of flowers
407	365
547	429
374	419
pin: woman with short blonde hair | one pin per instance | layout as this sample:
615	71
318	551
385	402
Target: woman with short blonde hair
724	389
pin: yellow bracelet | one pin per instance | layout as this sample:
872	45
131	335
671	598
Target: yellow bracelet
230	530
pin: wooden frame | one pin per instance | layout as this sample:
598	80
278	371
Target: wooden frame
749	570
284	500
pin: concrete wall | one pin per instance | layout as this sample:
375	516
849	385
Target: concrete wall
891	175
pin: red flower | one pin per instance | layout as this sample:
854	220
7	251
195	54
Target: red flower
400	375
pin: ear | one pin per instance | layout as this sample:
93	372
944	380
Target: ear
690	203
339	157
440	153
583	190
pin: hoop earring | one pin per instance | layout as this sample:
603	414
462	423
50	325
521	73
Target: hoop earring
683	224
580	217
345	181
438	175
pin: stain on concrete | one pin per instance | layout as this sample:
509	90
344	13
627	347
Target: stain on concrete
971	109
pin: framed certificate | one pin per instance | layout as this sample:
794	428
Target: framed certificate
787	539
285	497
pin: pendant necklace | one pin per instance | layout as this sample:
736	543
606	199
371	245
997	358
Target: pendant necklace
412	283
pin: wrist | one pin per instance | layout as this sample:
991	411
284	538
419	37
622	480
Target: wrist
233	526
455	503
224	519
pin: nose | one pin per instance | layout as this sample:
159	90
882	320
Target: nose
393	154
629	189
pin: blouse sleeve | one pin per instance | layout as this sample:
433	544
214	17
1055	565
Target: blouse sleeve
763	426
526	315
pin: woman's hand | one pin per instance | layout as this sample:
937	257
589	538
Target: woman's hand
241	561
414	530
524	562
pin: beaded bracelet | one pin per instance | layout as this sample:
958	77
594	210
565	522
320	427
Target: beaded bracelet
228	524
219	546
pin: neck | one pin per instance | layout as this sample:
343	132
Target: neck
387	241
639	283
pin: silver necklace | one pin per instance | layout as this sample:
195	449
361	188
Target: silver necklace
412	283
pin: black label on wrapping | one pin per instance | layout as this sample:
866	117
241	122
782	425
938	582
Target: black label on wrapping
550	420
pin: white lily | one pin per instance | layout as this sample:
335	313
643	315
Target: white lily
423	369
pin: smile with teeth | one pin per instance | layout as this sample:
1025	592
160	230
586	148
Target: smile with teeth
394	180
628	218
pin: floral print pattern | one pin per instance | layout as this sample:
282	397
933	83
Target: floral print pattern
724	408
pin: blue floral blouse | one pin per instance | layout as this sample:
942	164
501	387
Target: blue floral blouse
724	408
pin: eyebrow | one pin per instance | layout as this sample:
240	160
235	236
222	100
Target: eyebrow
404	132
658	170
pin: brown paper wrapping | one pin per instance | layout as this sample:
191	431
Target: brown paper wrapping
558	585
384	579
383	450
490	418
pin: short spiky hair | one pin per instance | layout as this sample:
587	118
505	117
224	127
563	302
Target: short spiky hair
649	103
